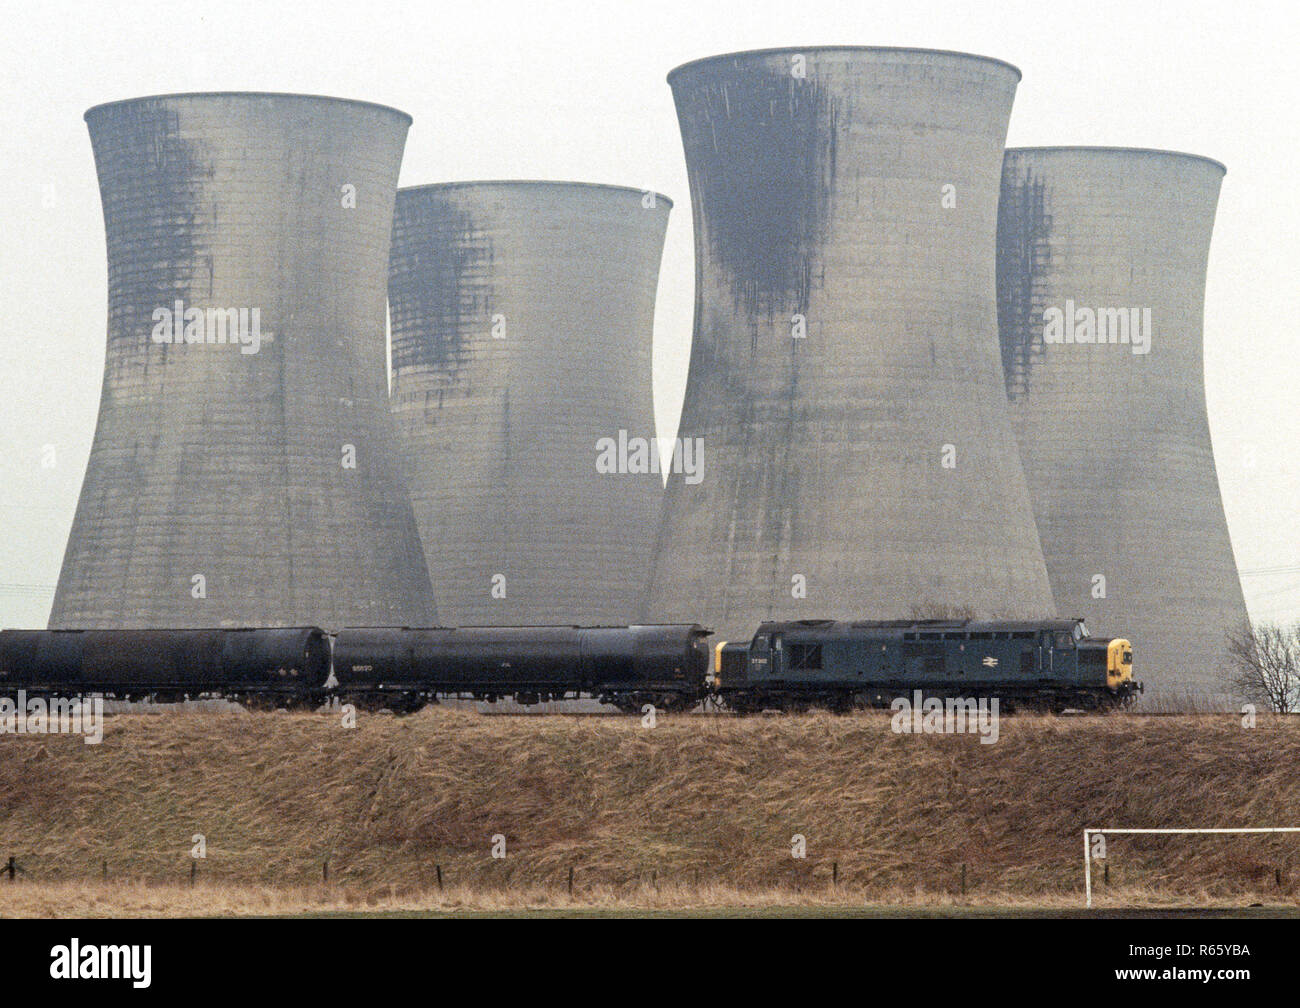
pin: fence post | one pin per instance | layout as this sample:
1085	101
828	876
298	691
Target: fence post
835	874
11	867
325	871
438	869
570	881
194	871
963	879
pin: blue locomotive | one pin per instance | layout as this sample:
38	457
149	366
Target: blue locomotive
1043	664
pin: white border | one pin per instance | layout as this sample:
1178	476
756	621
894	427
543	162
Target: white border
1087	850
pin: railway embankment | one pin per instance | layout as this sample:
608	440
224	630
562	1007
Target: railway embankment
502	805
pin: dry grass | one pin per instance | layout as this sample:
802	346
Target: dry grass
1173	701
154	899
696	812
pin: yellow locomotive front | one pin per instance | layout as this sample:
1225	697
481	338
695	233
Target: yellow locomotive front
1119	667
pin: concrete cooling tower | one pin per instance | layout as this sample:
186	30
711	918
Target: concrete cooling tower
521	320
242	470
845	384
1101	282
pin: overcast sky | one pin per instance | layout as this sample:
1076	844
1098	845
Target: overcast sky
565	90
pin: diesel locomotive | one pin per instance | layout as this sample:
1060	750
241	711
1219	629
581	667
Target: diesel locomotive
1045	664
1040	665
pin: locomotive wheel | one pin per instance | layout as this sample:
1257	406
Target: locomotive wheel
733	704
840	703
748	704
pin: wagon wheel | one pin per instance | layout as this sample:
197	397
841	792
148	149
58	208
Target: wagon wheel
260	702
627	704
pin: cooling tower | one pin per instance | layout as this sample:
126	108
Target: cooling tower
845	383
242	470
521	320
1101	282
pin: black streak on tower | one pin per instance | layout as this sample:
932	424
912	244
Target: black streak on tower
1116	445
521	318
821	196
210	462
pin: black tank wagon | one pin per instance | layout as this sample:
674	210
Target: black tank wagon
628	666
271	665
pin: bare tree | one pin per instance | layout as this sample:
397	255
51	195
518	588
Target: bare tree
1264	665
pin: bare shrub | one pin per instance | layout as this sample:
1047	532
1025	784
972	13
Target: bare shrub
1264	665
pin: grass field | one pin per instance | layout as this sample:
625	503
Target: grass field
153	899
300	815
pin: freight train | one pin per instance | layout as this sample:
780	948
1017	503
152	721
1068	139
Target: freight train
1044	664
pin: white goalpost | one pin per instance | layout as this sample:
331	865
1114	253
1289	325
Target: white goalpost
1087	847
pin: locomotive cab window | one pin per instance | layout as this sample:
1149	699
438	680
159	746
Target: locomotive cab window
805	657
1064	640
